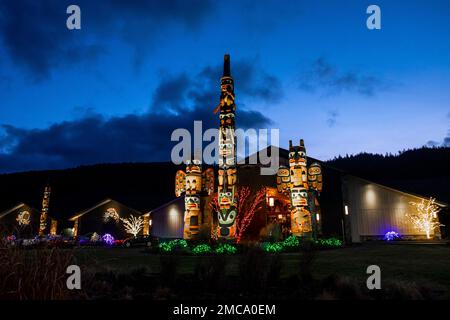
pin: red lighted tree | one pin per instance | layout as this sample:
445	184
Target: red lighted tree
249	202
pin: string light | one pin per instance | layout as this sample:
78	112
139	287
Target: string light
133	225
424	219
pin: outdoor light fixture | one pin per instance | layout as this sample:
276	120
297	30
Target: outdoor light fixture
150	222
318	217
346	210
271	202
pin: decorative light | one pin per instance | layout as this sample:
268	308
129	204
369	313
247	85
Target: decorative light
391	235
111	214
318	217
280	216
108	239
271	202
95	237
23	218
133	225
424	219
346	210
202	249
150	222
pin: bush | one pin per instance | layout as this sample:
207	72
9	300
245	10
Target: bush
202	249
329	243
273	247
291	242
226	248
173	245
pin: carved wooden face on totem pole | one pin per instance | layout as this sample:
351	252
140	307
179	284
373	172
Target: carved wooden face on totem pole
193	182
297	165
193	177
283	180
294	182
315	177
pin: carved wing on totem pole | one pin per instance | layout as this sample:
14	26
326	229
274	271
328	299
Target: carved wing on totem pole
180	183
208	181
283	180
315	177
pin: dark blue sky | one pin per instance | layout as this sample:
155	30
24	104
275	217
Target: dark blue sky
114	90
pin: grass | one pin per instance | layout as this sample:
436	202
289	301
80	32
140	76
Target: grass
426	265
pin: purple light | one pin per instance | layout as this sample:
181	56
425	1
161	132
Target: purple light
391	235
108	239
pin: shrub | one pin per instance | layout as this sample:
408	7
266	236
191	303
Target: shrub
329	243
273	247
202	249
291	242
226	248
173	245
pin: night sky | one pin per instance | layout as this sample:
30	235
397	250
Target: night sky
116	89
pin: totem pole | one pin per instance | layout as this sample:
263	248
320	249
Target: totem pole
315	187
44	213
193	183
296	181
227	190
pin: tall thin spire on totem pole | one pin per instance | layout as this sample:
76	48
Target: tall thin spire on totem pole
226	66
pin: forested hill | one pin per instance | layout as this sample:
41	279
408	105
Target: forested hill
424	171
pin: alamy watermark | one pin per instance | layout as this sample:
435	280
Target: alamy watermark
255	139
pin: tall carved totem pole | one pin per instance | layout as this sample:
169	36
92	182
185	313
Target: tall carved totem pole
195	184
302	185
44	212
227	190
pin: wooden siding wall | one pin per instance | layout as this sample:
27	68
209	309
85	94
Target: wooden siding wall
375	210
168	221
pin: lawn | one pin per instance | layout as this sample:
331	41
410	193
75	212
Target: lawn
425	265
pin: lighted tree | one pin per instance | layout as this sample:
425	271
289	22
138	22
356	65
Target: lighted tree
248	203
133	224
425	216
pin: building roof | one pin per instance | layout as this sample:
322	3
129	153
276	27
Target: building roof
15	208
283	160
101	203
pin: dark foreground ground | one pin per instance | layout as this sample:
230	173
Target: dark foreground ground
408	271
416	270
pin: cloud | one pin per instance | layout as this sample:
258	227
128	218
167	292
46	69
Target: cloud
332	118
35	36
446	142
177	101
326	77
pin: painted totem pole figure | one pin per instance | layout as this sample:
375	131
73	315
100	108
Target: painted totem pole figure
300	215
315	188
193	183
44	213
227	190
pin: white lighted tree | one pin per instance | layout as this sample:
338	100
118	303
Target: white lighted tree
133	224
425	216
